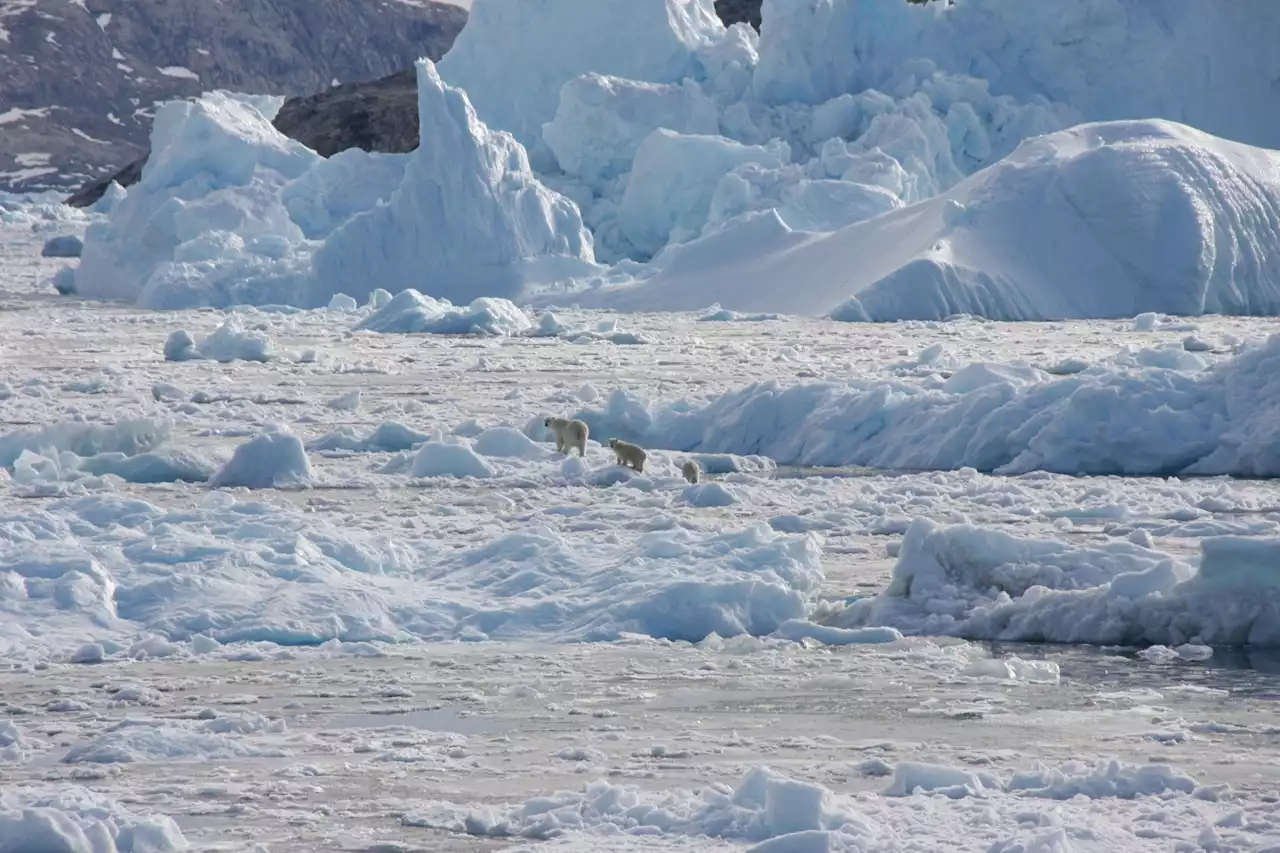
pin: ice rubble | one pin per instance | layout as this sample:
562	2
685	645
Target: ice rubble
69	454
412	312
780	814
106	569
72	819
979	583
231	341
820	168
1009	419
273	460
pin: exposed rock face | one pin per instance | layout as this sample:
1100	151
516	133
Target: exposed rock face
739	11
79	79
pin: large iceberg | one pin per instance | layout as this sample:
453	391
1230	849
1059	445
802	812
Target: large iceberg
209	196
514	56
1102	220
230	211
469	219
863	159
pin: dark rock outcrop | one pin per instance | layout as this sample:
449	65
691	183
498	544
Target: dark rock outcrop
80	79
739	12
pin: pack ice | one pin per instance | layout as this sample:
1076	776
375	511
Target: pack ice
860	159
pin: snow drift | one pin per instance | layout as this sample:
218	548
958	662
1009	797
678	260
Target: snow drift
1007	419
1103	220
984	584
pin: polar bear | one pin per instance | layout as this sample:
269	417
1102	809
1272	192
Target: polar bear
569	434
628	453
691	471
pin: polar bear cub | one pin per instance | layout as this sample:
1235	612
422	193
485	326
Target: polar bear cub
628	453
691	471
569	434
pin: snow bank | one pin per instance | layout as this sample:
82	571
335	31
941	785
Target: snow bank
272	460
71	819
1103	220
409	312
979	583
107	569
469	219
552	42
1008	419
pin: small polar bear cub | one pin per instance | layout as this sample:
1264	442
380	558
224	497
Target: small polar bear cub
691	471
628	453
569	434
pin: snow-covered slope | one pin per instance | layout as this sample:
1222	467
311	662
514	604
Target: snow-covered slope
1102	220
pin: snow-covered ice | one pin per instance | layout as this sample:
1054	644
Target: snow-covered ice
289	561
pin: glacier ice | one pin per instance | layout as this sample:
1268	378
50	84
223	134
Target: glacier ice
469	218
551	42
862	159
1101	220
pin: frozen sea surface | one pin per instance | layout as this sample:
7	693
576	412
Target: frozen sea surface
357	658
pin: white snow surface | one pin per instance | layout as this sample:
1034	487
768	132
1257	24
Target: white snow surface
253	660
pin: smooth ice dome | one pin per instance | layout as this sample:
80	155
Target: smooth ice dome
1103	220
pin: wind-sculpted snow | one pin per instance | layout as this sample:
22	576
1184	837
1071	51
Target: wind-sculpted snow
1108	419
